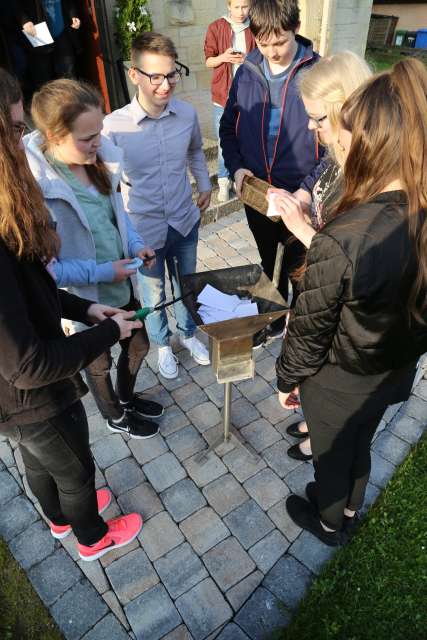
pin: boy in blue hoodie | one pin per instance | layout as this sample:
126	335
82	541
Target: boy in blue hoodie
264	129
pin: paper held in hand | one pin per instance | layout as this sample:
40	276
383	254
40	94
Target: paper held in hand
216	306
42	37
254	194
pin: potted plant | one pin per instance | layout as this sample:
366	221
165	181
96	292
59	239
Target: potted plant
131	17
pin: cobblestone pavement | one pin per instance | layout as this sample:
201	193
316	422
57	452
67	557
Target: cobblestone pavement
217	553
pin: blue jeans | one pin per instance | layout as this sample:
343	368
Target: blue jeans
222	171
151	283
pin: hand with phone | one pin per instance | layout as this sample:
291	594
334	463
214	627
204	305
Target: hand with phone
232	56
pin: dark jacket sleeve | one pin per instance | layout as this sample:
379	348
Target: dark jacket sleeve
24	12
69	11
227	131
28	361
309	181
73	307
316	316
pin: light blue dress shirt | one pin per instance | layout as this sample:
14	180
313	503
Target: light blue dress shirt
158	152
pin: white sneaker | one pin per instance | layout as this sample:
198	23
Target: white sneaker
224	190
168	363
198	351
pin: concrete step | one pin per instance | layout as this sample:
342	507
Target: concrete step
213	174
219	210
210	147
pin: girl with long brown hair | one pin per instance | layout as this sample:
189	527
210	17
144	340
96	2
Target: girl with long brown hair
360	321
40	385
79	174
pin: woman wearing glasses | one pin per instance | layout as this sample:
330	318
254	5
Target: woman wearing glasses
79	177
40	385
324	89
360	320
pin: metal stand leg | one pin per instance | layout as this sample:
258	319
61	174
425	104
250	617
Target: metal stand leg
231	438
227	411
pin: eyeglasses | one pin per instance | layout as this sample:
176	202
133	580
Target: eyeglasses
18	131
317	121
158	79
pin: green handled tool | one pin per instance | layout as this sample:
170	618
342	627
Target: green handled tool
142	313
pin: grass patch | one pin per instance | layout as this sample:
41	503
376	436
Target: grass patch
375	588
23	616
382	59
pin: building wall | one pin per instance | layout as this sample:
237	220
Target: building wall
411	16
348	25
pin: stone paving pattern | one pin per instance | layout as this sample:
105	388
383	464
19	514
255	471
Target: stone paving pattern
218	556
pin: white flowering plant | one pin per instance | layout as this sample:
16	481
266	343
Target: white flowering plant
132	17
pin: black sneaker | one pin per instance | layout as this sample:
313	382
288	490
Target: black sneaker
145	408
307	517
134	426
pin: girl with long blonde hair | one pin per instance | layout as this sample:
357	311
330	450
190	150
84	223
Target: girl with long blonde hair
324	89
360	321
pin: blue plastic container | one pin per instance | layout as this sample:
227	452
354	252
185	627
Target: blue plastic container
421	40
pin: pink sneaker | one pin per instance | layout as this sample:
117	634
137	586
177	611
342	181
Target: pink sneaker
120	532
103	497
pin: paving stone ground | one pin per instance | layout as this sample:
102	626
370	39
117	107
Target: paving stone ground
218	556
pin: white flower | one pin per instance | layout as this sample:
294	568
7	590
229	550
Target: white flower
117	12
143	11
131	26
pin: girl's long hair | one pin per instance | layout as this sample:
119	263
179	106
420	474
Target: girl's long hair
25	226
331	81
388	121
56	107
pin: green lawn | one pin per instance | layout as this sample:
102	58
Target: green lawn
375	588
382	59
22	614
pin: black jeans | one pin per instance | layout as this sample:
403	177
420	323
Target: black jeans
342	420
98	378
60	471
267	236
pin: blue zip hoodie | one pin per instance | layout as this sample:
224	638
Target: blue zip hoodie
244	126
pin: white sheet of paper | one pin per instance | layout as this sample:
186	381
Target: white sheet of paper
209	315
43	35
246	309
272	207
211	297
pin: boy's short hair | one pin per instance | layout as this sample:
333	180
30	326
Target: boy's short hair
273	16
152	42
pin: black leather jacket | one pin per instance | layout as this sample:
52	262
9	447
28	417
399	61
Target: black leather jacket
39	365
352	309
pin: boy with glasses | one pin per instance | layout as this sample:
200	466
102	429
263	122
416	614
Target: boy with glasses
160	138
264	130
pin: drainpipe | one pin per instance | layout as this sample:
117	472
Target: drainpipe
328	12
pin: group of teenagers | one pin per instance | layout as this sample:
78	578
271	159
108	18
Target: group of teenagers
82	196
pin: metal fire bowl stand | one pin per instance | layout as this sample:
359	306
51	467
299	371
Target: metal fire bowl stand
231	341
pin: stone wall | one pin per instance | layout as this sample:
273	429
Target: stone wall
351	26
